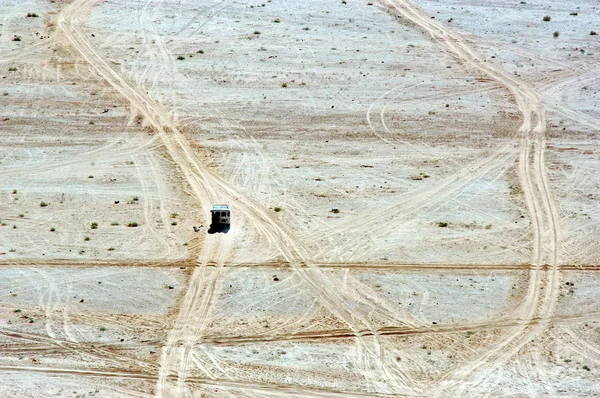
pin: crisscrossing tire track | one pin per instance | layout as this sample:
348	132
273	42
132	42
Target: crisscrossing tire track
541	297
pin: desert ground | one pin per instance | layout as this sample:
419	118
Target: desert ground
414	185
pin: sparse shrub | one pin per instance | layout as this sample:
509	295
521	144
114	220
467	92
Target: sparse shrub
573	13
277	209
92	122
32	15
115	223
135	198
442	224
5	94
14	227
52	229
16	38
256	32
90	176
12	69
200	51
132	224
43	204
585	367
174	223
110	249
335	211
21	215
306	28
556	34
277	20
180	58
102	328
546	18
284	84
17	310
593	33
174	215
87	238
369	3
14	191
94	225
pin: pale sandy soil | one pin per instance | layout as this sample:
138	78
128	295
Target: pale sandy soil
457	139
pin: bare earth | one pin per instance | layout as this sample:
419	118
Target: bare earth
415	194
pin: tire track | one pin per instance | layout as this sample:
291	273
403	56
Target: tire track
210	188
542	291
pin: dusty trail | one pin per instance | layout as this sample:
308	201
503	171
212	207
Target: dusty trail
67	263
275	389
397	330
543	289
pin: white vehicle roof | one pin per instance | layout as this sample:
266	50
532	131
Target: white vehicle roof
220	208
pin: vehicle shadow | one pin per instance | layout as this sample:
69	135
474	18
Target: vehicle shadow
218	228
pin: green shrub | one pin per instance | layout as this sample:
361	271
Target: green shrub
32	15
132	224
180	58
442	224
546	18
43	204
94	225
335	211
